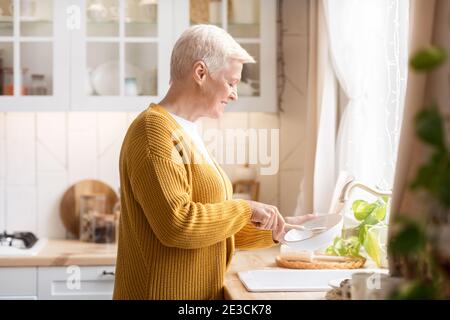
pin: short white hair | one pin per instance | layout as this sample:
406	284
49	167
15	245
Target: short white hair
207	43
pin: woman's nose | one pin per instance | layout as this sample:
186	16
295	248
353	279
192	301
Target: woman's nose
233	95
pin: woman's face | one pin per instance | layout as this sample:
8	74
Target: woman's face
222	88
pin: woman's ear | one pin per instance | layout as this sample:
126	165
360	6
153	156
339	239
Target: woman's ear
200	72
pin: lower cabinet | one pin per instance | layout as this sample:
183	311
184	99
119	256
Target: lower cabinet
65	283
76	282
18	283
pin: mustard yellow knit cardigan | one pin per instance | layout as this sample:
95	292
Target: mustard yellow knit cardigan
179	225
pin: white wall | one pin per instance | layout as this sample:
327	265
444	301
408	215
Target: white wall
43	154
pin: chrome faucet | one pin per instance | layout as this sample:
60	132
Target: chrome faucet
349	186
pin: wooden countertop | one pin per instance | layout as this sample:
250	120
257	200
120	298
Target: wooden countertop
64	253
259	259
74	252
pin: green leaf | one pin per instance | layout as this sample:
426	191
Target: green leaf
379	212
330	250
417	290
409	240
426	177
345	247
362	233
361	209
354	247
371	220
428	58
434	177
372	246
444	188
385	199
430	127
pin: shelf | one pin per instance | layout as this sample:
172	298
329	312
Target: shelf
25	19
6	19
244	30
115	22
35	19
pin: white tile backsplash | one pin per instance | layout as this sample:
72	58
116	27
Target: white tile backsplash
20	149
131	116
2	147
51	187
111	131
21	208
2	206
51	141
82	146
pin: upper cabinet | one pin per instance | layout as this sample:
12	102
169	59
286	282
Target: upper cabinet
253	24
115	54
33	55
120	55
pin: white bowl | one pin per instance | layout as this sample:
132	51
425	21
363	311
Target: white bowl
307	240
105	78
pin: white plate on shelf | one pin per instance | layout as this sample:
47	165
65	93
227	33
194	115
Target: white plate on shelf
105	78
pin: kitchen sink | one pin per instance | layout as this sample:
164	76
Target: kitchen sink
266	280
13	251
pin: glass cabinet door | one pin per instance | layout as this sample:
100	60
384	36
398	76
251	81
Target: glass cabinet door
118	52
6	48
30	54
242	19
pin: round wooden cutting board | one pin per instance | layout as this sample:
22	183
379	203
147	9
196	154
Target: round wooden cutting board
69	207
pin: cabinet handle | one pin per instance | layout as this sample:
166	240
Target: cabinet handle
108	273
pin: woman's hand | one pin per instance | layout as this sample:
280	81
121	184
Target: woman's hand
300	219
267	217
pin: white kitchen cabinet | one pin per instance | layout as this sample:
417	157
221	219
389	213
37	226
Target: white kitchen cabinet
125	54
18	283
76	282
63	283
34	56
253	24
114	55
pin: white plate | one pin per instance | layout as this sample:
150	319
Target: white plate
329	221
105	78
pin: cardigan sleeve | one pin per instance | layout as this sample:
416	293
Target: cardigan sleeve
249	237
161	187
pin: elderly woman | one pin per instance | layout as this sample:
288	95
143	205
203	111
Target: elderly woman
179	224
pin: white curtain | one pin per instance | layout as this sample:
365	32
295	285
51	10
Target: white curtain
368	47
317	185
